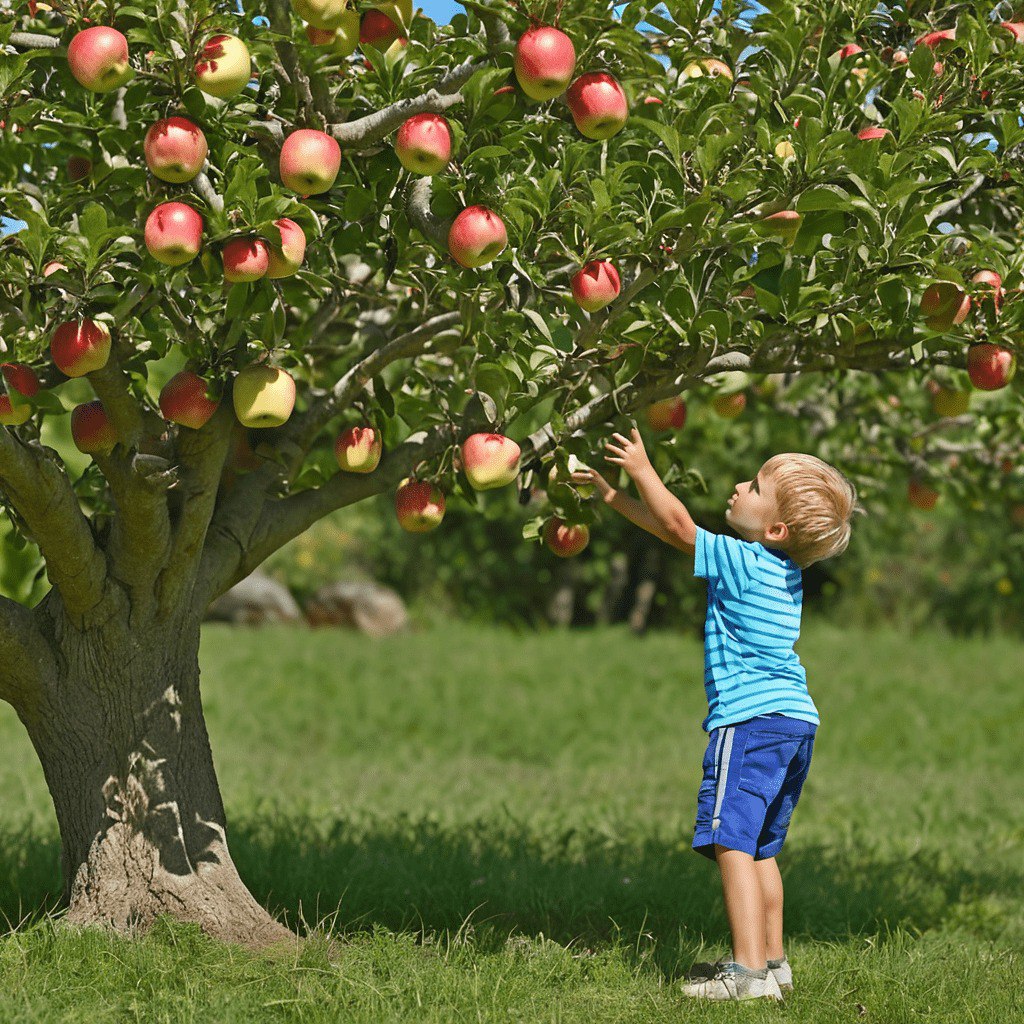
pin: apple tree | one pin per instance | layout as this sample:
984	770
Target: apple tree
278	258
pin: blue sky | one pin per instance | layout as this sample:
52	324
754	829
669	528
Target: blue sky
440	10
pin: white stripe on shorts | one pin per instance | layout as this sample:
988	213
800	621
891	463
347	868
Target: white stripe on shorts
723	775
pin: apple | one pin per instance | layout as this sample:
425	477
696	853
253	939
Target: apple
490	461
991	288
708	67
564	540
263	395
729	406
53	267
948	401
20	378
399	11
379	31
476	236
944	304
849	50
320	36
358	449
424	144
935	40
12	415
286	258
174	234
310	161
322	14
573	466
783	225
596	285
899	58
872	133
245	259
650	101
598	105
419	506
784	150
78	167
185	400
175	149
98	58
80	346
668	414
990	367
224	67
545	62
921	495
1015	28
91	429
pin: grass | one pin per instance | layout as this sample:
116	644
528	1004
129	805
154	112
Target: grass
497	828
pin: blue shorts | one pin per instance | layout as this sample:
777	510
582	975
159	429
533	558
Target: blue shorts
753	774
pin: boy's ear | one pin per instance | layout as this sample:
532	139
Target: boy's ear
778	532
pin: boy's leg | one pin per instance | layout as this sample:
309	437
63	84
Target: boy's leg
771	889
744	906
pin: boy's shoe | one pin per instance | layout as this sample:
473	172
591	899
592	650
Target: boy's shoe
733	982
780	968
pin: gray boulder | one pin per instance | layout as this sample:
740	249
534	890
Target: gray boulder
358	604
255	601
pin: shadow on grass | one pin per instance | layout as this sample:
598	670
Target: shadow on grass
587	888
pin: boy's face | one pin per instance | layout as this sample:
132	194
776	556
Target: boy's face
754	514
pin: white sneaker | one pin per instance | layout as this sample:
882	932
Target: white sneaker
707	969
730	982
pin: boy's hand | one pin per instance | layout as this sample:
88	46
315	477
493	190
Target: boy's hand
595	480
630	454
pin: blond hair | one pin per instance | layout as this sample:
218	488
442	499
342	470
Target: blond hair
816	502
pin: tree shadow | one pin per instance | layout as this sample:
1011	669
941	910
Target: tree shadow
585	888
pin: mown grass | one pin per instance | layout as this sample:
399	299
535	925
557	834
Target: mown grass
496	828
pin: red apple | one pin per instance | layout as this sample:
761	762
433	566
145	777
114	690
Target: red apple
358	449
872	133
921	495
309	161
991	288
783	226
596	285
98	58
935	40
990	367
564	540
653	101
944	305
1015	28
78	168
729	406
708	67
849	50
245	259
668	414
184	400
20	378
80	346
52	268
598	105
175	149
424	144
476	237
263	395
419	506
174	234
91	429
490	461
545	62
224	67
12	415
286	258
900	57
378	30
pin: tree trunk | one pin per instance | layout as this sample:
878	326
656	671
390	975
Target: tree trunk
120	733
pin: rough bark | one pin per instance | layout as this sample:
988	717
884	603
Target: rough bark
118	725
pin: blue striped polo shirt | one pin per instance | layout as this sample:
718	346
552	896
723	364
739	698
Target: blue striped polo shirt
755	595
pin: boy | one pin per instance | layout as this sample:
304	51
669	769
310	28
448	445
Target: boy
761	719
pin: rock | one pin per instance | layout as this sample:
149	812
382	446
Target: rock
359	604
256	601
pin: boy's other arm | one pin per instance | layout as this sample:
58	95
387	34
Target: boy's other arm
667	510
637	512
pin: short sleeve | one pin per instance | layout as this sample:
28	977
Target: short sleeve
724	560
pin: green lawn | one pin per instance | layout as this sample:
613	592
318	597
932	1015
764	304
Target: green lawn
498	826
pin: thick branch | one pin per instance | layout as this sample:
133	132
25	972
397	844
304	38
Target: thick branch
35	41
434	229
40	491
24	653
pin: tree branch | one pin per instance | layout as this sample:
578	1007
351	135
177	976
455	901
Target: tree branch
421	216
952	205
41	493
24	654
35	41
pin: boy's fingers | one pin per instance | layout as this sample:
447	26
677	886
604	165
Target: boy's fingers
635	433
621	439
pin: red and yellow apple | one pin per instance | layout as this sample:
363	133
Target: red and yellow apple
245	260
419	506
668	414
98	58
476	237
944	304
545	62
91	429
990	367
11	414
174	234
729	406
286	258
598	105
596	285
565	540
490	461
20	378
783	225
224	67
358	449
309	161
175	149
921	496
80	346
424	144
185	400
323	14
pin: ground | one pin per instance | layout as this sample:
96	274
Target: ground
497	828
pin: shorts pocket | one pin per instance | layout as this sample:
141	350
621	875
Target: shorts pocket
766	759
